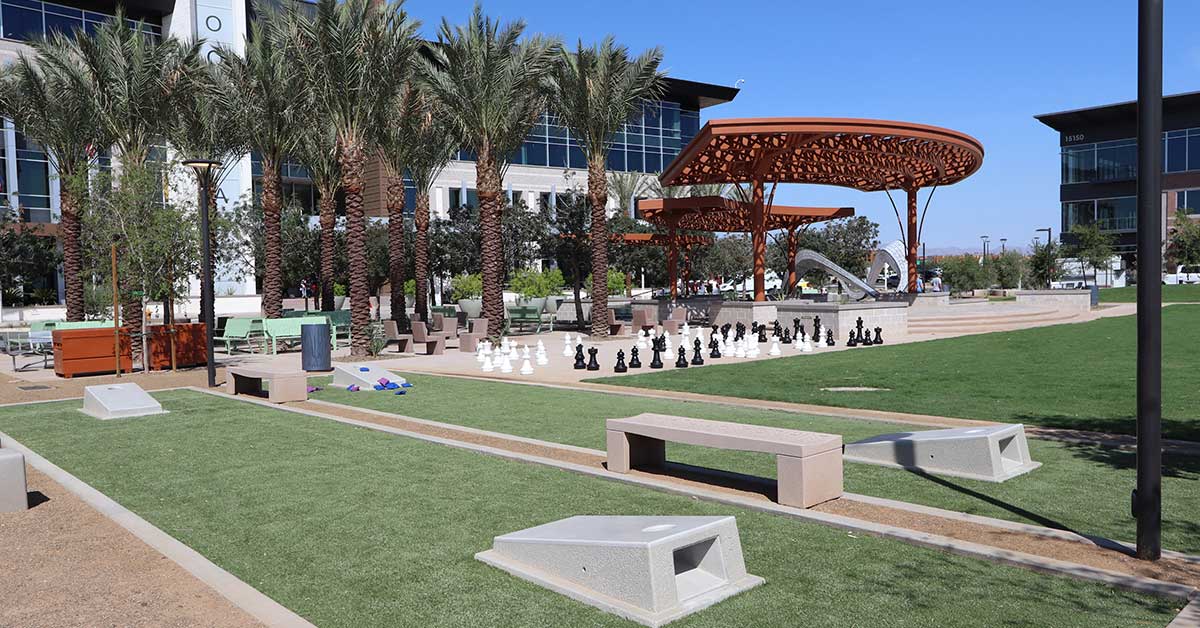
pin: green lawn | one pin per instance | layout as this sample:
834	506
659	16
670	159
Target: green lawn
351	527
1073	376
1078	487
1170	294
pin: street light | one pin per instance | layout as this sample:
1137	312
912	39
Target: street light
1002	241
204	172
1049	234
985	245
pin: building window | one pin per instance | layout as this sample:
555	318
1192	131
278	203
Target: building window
1117	214
1116	161
33	181
1078	213
457	201
1188	201
24	20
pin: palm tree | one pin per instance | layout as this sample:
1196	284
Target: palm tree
136	84
41	102
433	143
263	84
396	141
354	55
491	88
596	91
625	186
318	152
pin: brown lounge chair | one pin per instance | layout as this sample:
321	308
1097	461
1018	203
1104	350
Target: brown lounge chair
616	327
404	342
468	341
643	320
435	342
676	320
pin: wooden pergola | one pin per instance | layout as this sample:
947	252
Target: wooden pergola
674	242
867	155
717	213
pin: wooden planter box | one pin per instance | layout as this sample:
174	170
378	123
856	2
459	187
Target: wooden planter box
89	351
189	345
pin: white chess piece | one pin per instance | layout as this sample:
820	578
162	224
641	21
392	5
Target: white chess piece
541	348
667	338
739	351
641	341
505	365
754	350
806	347
525	353
479	351
775	350
526	369
567	352
488	367
541	359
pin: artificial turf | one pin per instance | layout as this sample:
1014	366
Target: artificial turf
1170	294
352	527
1077	376
1078	487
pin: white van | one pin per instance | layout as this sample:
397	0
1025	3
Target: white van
1182	275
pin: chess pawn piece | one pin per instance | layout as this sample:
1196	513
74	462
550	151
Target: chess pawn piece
754	327
656	358
566	352
634	361
878	336
592	364
526	368
714	348
828	338
666	342
620	367
853	340
752	350
806	346
641	341
739	351
505	364
488	367
787	336
541	359
762	333
681	362
541	347
479	351
697	353
579	363
525	353
775	350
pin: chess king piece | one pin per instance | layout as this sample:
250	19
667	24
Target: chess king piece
878	335
852	341
592	364
828	338
656	359
698	353
579	363
787	336
634	361
795	328
620	367
681	362
858	325
816	333
714	348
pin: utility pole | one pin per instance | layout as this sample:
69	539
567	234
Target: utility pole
1147	497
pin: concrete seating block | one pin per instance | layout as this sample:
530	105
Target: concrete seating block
364	375
994	453
651	570
14	493
119	401
809	463
283	385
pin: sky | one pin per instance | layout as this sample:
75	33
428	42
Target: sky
982	68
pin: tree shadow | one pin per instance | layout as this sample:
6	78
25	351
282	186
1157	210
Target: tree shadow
1175	464
1178	429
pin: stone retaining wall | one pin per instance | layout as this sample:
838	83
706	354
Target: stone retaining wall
892	316
1073	300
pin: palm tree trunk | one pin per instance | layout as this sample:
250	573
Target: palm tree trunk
69	224
491	247
598	196
396	261
272	199
421	252
328	212
353	159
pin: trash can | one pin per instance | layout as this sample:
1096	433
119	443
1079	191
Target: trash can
314	347
1095	295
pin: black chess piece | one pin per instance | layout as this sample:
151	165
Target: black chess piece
725	332
762	333
579	363
775	332
754	327
681	362
658	346
714	347
620	367
634	361
787	336
800	335
852	341
858	325
828	338
739	332
796	328
592	364
878	335
697	353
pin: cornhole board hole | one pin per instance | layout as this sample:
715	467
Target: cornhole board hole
14	496
651	570
350	374
993	454
119	401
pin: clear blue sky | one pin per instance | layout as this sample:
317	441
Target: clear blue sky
983	68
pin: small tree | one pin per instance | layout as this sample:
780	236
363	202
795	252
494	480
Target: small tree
1010	269
24	256
567	241
1093	248
1184	245
1043	265
730	258
964	272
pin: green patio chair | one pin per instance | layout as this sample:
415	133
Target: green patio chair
240	331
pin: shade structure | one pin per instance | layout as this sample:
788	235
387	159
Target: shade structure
866	155
718	213
673	241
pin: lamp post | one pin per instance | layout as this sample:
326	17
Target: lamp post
985	246
1002	247
1049	234
1147	497
204	172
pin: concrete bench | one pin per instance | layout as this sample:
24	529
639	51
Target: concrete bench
809	464
283	385
14	496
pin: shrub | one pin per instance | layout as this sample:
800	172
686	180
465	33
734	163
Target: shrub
1011	269
410	287
466	287
616	282
964	272
532	284
339	290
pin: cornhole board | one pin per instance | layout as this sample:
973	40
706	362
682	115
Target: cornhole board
119	401
353	374
651	570
992	453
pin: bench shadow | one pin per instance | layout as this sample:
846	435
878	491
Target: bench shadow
36	498
714	477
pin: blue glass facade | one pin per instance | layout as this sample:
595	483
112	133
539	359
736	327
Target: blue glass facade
645	144
23	20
